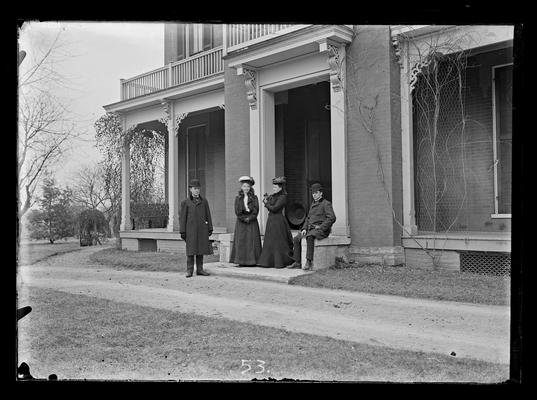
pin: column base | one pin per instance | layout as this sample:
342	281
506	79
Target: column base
386	255
173	226
410	230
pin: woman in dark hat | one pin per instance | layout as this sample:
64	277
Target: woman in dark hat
195	227
247	238
278	244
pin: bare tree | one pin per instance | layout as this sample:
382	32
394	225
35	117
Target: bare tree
45	124
89	189
97	187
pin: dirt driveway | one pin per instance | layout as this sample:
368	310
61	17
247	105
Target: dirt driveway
469	330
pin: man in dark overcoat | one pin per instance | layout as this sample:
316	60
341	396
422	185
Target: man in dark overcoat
317	225
195	227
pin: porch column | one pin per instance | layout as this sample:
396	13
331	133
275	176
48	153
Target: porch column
336	61
173	169
126	223
409	214
262	143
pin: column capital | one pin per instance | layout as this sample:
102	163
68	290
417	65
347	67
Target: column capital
396	43
250	80
335	62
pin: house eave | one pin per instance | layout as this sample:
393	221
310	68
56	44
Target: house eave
177	92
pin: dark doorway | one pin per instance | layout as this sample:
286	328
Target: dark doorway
197	153
303	127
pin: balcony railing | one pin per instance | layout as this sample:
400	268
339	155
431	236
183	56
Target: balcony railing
241	35
204	65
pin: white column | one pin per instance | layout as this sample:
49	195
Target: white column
336	60
126	223
267	150
261	130
409	218
173	171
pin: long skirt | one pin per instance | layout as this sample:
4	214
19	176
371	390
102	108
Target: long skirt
278	244
246	243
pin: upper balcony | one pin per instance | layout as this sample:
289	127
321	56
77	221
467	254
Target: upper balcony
200	66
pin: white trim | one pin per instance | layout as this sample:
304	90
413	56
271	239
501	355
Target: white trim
494	141
499	216
205	85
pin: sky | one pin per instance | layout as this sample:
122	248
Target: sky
94	56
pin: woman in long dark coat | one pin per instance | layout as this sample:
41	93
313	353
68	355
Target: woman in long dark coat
247	238
278	243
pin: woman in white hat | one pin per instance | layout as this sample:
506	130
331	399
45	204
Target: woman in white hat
247	238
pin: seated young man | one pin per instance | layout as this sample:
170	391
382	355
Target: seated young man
317	225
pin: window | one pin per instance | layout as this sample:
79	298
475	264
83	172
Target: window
203	37
217	35
502	83
181	45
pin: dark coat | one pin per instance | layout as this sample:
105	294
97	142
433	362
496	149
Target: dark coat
195	222
247	238
278	243
321	214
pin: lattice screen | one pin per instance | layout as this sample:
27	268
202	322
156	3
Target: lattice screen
486	263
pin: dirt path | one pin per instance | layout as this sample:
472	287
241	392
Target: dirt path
469	330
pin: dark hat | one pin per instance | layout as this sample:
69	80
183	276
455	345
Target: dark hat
316	187
248	179
280	180
194	183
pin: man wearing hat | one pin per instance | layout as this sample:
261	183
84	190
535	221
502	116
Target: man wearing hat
195	227
317	225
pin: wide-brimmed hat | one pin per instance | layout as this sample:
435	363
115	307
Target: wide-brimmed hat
280	180
194	183
316	187
246	178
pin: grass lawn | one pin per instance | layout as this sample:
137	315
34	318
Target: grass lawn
32	252
411	282
81	337
145	260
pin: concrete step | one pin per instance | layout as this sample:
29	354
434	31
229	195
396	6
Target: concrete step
282	275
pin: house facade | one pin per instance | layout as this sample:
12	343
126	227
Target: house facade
407	127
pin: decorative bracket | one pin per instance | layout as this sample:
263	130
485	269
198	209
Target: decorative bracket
250	80
222	106
178	119
397	47
416	69
334	61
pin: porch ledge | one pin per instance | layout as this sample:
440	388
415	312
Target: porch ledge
462	241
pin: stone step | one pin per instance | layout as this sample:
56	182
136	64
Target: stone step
282	275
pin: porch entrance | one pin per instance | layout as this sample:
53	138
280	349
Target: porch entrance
303	145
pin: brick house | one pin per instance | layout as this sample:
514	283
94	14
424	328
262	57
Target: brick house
411	139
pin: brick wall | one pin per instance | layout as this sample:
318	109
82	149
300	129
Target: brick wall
372	73
237	139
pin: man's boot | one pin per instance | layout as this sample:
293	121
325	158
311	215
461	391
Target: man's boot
189	266
199	266
309	265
